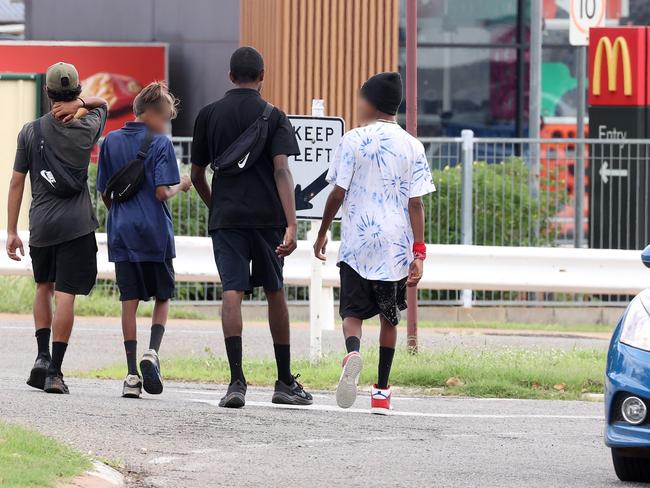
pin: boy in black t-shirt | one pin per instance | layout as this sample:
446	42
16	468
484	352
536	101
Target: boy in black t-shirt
252	219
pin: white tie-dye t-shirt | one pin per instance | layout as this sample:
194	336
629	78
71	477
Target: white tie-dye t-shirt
380	166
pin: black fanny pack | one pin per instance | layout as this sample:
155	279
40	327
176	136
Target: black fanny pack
60	179
247	148
127	181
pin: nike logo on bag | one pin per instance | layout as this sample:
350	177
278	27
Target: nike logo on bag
48	176
242	163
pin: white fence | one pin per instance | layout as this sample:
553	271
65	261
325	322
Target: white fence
448	267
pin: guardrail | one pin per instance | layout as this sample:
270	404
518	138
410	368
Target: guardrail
448	267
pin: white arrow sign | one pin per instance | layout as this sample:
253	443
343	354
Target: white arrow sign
606	173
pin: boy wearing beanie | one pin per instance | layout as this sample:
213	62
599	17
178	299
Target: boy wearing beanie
379	174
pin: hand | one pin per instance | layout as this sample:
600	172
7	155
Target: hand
65	111
186	183
13	244
289	243
320	247
415	272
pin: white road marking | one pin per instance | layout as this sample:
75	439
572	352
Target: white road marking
400	413
163	460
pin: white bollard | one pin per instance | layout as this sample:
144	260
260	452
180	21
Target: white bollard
315	302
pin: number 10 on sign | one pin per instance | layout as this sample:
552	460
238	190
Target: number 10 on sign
585	14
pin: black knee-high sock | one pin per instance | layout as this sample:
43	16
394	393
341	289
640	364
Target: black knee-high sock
131	349
283	362
43	341
157	332
58	352
234	352
353	343
385	362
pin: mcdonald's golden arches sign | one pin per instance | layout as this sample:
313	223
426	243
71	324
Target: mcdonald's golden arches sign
618	72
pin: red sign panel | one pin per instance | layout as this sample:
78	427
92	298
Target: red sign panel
116	72
617	66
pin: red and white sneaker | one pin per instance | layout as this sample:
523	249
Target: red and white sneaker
380	400
346	391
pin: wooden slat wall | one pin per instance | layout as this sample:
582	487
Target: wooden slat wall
321	49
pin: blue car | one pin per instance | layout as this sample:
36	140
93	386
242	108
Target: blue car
627	390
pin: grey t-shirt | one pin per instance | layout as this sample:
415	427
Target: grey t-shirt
52	219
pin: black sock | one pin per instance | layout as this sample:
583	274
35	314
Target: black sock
131	348
353	343
58	351
283	362
43	341
234	352
385	362
157	332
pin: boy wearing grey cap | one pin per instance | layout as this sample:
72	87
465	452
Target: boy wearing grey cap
55	151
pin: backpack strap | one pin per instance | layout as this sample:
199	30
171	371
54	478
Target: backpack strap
267	111
144	147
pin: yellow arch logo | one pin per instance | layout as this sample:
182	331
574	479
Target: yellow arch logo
612	52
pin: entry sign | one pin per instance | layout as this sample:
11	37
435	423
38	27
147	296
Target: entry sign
317	138
585	14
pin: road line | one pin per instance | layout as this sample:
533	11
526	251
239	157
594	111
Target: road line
399	413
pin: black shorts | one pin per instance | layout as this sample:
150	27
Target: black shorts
246	258
362	299
71	265
141	281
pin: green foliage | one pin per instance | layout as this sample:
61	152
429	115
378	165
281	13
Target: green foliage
505	213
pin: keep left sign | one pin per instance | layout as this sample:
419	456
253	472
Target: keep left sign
318	138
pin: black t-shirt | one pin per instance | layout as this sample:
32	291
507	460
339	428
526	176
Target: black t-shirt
249	199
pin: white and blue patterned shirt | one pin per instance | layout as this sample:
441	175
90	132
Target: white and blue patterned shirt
380	166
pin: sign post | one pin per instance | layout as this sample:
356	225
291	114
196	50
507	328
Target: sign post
584	14
318	136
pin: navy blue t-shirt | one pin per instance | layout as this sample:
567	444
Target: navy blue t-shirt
139	229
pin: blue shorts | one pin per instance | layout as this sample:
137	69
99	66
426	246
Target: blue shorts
246	258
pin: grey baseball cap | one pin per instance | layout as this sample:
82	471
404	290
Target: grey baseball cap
62	77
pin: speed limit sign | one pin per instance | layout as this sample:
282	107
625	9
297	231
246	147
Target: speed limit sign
585	14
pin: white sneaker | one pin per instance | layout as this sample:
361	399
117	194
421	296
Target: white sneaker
346	391
150	369
132	386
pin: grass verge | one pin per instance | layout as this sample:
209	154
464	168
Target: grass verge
29	459
97	304
503	373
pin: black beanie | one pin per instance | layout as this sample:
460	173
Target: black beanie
384	91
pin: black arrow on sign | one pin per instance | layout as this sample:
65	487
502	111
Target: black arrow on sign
304	196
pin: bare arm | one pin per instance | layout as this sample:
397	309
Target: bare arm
66	111
416	215
16	188
164	193
332	206
201	184
286	191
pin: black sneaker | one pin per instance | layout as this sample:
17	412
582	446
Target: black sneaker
150	369
39	372
293	394
236	395
55	384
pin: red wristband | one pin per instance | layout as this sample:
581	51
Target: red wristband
420	250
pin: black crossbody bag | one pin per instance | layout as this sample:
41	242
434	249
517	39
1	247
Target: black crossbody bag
247	148
124	184
61	179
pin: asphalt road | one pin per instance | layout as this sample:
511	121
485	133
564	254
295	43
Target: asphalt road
182	439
